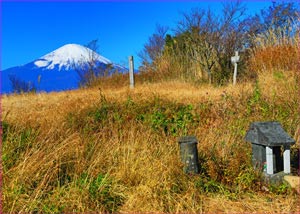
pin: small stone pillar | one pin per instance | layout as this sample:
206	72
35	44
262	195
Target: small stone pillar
267	139
189	154
269	158
287	159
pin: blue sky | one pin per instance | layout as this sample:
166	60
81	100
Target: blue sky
33	29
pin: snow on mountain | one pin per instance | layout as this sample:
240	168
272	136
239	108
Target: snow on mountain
67	55
56	71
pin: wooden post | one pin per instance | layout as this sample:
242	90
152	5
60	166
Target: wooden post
235	60
131	68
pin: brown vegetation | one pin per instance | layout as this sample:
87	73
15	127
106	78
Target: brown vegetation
109	149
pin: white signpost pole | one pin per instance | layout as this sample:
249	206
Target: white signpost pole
131	68
235	59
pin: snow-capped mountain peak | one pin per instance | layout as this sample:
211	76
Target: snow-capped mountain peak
62	69
68	55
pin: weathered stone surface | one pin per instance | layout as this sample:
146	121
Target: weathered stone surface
189	154
274	179
268	133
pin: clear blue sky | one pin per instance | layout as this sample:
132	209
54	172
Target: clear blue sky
33	29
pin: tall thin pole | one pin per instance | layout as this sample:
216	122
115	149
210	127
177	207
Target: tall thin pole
234	73
235	60
131	68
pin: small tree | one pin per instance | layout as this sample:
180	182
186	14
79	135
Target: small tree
90	70
278	25
153	49
210	40
21	86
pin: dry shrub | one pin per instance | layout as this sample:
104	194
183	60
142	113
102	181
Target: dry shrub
282	57
108	150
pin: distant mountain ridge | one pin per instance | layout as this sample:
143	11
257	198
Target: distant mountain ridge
57	70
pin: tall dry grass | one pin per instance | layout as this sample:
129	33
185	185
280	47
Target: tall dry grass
115	149
276	49
109	148
281	58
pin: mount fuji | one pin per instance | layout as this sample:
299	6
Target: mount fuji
57	71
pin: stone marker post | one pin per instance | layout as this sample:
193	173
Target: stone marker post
189	154
235	59
131	68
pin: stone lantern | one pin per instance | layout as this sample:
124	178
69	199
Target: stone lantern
269	141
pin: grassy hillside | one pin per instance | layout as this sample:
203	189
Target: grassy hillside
115	149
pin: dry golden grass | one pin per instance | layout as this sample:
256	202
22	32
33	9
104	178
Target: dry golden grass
141	166
51	108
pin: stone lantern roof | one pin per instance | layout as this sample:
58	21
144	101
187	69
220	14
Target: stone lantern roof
268	134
